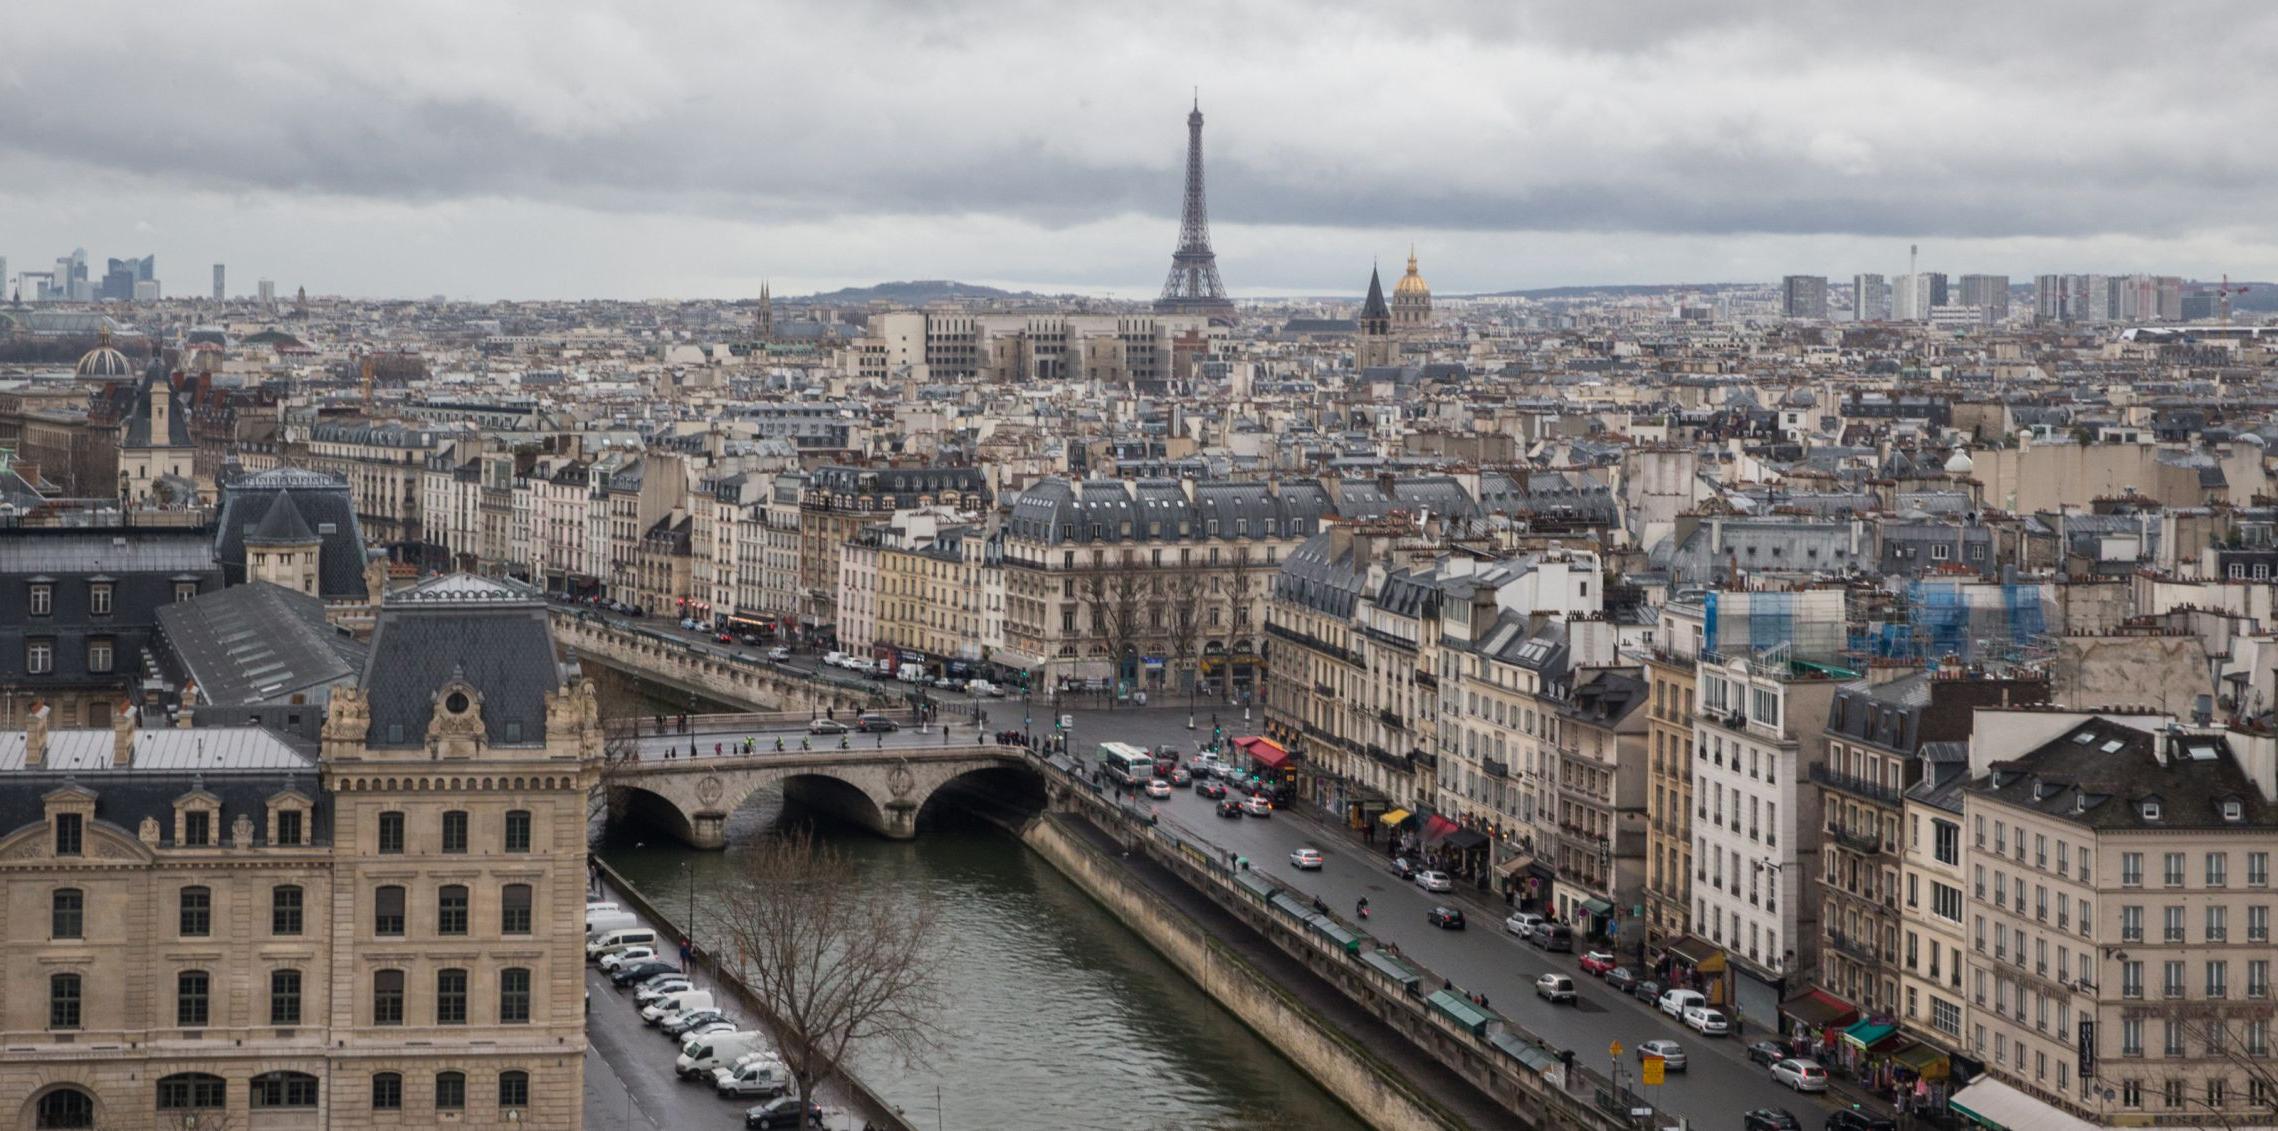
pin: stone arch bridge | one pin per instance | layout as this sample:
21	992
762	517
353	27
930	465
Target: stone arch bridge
723	677
882	790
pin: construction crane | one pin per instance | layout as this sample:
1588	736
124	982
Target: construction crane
2223	297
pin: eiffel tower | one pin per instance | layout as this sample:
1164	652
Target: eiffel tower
1192	286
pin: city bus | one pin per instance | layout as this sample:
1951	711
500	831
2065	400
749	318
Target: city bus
1126	764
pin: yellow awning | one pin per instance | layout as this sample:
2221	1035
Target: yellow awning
1395	816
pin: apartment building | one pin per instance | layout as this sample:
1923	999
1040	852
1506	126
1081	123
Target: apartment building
1601	804
216	928
2119	901
383	464
838	501
1670	666
1933	877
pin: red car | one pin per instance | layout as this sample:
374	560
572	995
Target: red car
1597	962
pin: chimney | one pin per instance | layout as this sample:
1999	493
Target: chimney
1880	672
122	737
35	738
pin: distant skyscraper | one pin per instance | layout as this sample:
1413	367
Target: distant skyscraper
1193	286
221	291
1870	298
1804	296
2048	298
267	289
2170	297
1916	295
1989	293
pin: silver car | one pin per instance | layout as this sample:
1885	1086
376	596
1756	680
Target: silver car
1671	1054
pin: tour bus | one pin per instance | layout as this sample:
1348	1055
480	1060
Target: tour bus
1126	764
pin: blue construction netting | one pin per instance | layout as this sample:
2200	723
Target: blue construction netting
2026	620
1771	621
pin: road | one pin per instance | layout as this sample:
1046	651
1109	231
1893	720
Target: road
1486	959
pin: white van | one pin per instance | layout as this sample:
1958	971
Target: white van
759	1079
599	923
674	1004
603	905
1676	1002
911	673
701	1055
613	941
835	659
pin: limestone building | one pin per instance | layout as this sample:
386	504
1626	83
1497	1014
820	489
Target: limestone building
380	931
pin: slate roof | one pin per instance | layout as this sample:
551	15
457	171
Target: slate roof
1312	577
321	500
160	750
492	634
250	643
71	552
1373	307
282	526
124	797
137	423
2102	773
1057	510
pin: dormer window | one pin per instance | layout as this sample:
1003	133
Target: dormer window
2233	811
2150	810
40	600
197	819
99	598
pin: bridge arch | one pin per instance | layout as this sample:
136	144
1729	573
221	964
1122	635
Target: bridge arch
691	798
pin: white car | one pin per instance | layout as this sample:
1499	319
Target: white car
1802	1075
614	959
1706	1021
984	687
1257	806
1306	859
1158	787
834	659
1522	923
779	653
1676	1002
1434	881
664	988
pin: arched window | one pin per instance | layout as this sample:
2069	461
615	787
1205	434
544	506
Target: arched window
65	1108
387	1091
192	1091
284	1089
513	1089
450	1091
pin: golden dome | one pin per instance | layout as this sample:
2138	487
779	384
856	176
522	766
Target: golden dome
1412	284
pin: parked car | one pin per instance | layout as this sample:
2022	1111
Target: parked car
825	726
705	1029
765	1077
1671	1053
631	973
876	724
1857	1119
702	1057
834	658
779	653
1211	789
1306	859
1445	918
1434	881
1647	992
1522	923
1229	808
1802	1075
1621	978
617	958
1556	937
1769	1119
1158	787
678	1024
689	623
723	638
783	1111
1257	806
1598	962
661	987
1676	1002
1556	988
1707	1021
1766	1052
1405	868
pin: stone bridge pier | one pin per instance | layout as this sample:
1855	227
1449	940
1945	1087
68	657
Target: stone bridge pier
882	791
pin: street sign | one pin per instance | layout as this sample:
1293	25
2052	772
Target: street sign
1653	1070
1067	722
1614	1049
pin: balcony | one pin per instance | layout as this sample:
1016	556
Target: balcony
1494	768
1866	844
1392	719
1859	787
1857	948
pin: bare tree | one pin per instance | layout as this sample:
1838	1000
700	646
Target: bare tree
837	961
1185	621
2231	1046
1116	595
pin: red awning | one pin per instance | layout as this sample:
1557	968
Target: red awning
1437	828
1262	750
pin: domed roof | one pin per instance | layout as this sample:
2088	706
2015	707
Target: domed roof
1412	284
1959	463
103	361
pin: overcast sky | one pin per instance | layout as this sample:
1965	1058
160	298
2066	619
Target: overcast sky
563	149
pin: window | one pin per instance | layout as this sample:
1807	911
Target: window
2218	869
387	1091
284	997
2172	930
63	1001
2131	979
2131	1036
2258	924
1947	840
455	831
513	995
184	591
2171	978
1946	902
285	909
451	909
518	830
67	914
387	911
450	1091
39	656
450	997
514	910
284	1089
288	827
513	1089
65	1109
192	1091
41	600
2258	869
2258	978
197	917
2131	924
2132	869
99	656
197	828
67	839
193	1001
391	833
2172	868
2218	923
387	997
2218	979
99	598
2132	1093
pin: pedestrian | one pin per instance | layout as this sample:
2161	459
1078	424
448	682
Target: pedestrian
715	750
881	740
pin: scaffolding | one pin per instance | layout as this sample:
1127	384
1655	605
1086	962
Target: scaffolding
1963	621
1806	625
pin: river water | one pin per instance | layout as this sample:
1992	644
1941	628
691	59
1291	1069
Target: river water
1057	1016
